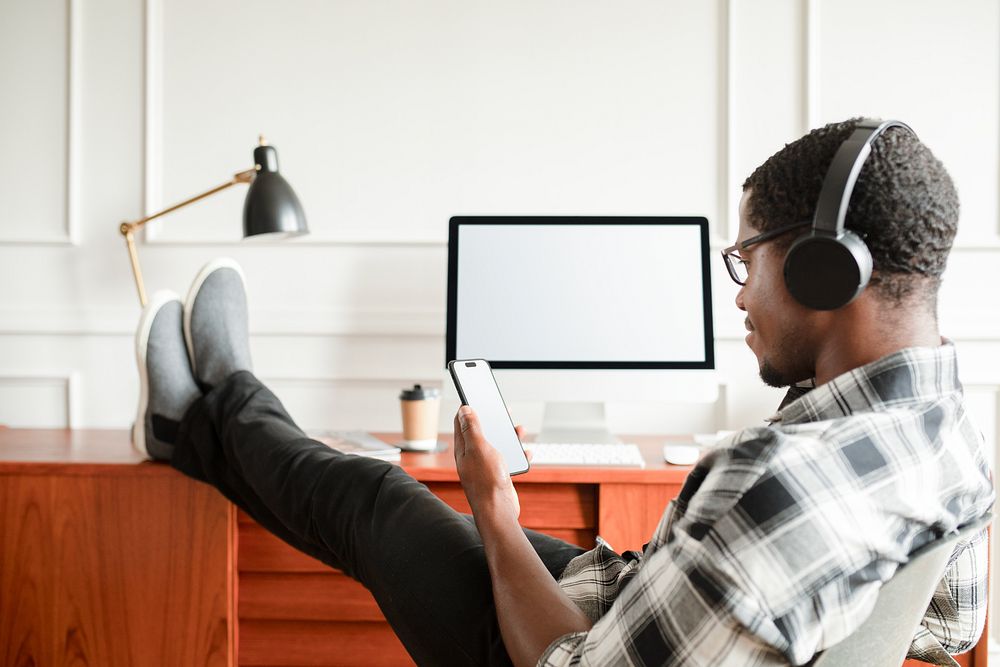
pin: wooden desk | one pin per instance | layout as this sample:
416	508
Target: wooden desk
110	560
106	560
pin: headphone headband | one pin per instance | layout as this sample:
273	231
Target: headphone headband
838	185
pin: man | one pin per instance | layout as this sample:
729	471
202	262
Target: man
781	536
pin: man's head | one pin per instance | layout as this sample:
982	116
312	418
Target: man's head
904	206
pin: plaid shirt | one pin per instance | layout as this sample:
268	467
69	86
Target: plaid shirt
782	535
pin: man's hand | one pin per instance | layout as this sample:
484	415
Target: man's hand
532	610
481	469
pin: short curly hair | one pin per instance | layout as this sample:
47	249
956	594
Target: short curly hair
904	204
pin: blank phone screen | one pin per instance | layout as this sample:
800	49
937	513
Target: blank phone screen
478	389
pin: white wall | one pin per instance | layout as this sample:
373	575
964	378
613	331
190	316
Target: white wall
391	116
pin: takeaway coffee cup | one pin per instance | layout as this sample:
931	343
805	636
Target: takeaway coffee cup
421	407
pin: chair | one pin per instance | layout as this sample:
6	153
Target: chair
883	639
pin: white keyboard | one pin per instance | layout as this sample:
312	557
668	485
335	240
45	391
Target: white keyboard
585	454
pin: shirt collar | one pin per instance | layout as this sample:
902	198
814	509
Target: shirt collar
906	376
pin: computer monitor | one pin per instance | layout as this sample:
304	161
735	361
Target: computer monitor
556	294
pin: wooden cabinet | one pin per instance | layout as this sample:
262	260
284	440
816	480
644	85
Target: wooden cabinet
107	560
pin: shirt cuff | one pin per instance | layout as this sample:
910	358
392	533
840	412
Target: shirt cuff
563	651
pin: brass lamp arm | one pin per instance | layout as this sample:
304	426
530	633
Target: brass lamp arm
128	229
241	177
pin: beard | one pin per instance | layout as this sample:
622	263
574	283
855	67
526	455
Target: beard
773	377
795	365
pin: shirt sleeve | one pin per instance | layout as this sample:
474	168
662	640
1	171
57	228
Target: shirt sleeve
956	615
677	605
664	616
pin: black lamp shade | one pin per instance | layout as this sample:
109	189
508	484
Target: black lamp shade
271	206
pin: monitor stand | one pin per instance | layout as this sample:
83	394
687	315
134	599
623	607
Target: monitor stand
575	422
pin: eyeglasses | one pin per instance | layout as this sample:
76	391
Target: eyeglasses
734	263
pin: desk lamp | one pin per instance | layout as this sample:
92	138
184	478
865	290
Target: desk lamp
270	207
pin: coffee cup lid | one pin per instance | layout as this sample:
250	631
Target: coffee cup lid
419	393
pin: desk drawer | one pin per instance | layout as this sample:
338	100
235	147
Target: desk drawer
565	511
346	644
295	610
314	596
543	506
260	551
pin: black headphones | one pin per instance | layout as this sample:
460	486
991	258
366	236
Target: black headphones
828	267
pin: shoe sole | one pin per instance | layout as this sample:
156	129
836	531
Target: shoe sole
206	271
160	299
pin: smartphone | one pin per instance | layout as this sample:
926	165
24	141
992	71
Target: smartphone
478	389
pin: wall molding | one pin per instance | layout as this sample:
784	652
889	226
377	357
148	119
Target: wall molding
811	104
723	227
73	122
152	128
70	235
810	72
351	238
68	380
716	242
990	245
968	325
122	321
331	382
152	196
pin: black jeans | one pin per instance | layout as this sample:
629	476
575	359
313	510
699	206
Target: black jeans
423	562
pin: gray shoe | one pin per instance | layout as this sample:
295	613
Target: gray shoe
215	323
166	385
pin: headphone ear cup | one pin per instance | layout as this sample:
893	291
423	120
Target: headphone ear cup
825	272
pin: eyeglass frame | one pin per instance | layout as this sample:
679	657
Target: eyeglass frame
727	253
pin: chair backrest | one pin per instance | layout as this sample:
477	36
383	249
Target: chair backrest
883	639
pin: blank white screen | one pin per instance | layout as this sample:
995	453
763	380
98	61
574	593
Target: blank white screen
580	293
